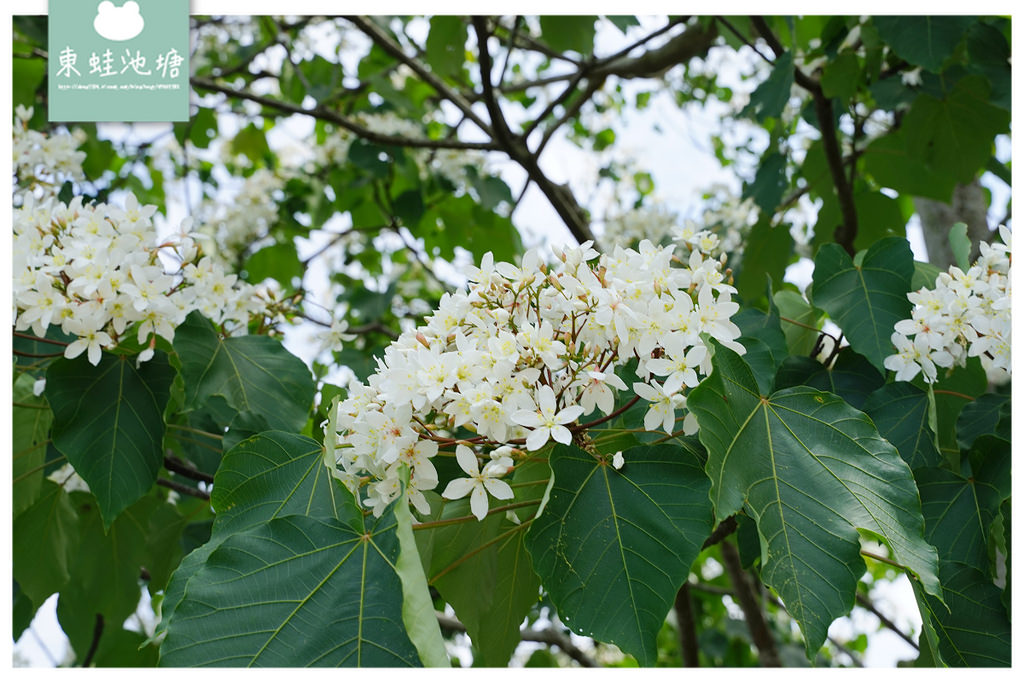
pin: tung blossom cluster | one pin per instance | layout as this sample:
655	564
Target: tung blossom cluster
518	359
42	162
96	270
235	226
963	316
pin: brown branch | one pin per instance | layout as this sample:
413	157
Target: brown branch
384	42
846	232
323	114
865	602
745	596
175	465
39	339
182	489
723	530
548	636
560	197
687	627
97	633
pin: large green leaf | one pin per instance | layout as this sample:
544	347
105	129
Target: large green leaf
923	40
613	546
850	376
770	97
105	577
271	475
958	511
30	424
892	164
568	32
800	321
972	628
295	591
956	133
482	569
252	373
44	542
108	421
767	252
900	412
987	414
868	299
811	471
446	45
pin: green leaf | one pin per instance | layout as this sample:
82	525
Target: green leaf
926	41
482	569
270	475
953	391
203	127
44	542
28	75
613	546
279	261
900	412
767	252
30	424
865	300
105	579
959	511
956	133
252	373
925	275
446	45
568	32
767	189
22	613
800	338
894	164
623	22
295	591
811	471
972	628
988	414
770	97
851	376
108	421
961	245
878	216
839	77
252	142
417	607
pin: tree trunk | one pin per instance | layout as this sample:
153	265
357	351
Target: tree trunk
968	206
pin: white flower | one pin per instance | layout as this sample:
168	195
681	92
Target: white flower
479	483
663	406
545	422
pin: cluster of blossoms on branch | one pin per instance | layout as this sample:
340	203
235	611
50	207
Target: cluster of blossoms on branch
236	227
963	316
42	162
515	361
98	271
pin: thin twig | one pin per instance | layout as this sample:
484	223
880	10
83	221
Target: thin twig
549	636
175	465
687	627
745	596
183	489
97	633
865	602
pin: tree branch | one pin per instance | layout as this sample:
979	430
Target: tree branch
175	465
560	196
97	633
744	594
687	627
324	114
865	602
723	530
384	42
182	489
846	232
549	636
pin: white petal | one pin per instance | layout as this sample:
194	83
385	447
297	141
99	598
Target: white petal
478	502
567	415
526	418
498	488
458	488
561	434
467	460
537	438
546	399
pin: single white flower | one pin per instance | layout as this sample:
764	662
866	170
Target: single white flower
545	422
479	483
